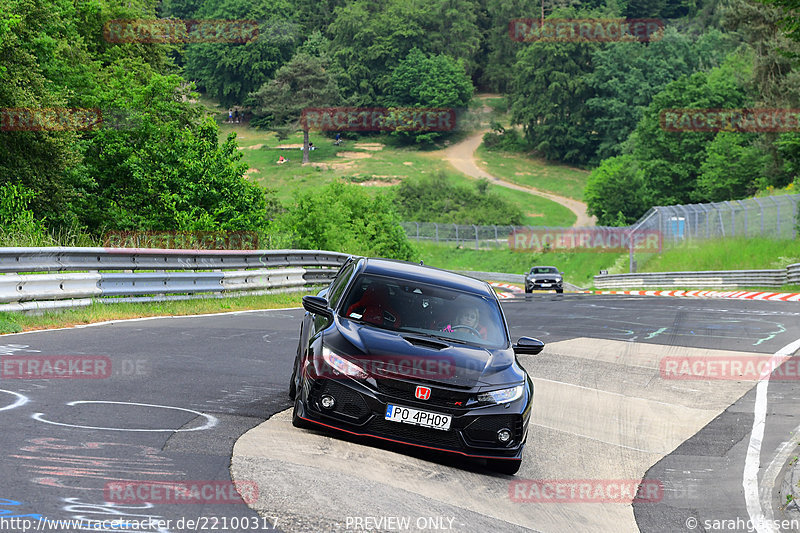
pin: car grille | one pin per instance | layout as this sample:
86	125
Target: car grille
484	429
542	280
440	397
417	434
348	402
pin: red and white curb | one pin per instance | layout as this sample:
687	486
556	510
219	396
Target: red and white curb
507	291
739	295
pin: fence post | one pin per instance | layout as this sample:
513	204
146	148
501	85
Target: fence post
733	218
436	226
476	236
745	209
777	216
456	226
417	223
760	205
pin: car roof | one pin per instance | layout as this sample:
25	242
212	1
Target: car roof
424	274
543	266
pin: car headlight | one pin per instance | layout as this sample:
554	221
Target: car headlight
502	395
342	365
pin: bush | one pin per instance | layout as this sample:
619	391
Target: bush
435	199
504	140
346	218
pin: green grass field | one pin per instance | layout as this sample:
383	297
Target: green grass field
729	254
532	172
578	267
370	157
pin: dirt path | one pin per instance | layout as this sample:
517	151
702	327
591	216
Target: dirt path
461	156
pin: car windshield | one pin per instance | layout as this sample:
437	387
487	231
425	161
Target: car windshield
413	307
544	270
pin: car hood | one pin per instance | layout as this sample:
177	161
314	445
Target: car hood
391	354
548	276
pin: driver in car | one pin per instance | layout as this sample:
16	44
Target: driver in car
468	319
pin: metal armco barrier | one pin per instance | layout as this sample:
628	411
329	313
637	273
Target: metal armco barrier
793	274
61	259
693	280
149	274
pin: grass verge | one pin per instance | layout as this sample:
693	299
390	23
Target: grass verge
727	254
533	172
578	267
101	312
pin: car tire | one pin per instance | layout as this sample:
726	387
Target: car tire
505	466
559	291
528	291
292	382
296	420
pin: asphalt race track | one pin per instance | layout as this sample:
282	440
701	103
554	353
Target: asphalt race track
194	400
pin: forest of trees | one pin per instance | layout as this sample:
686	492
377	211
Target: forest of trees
592	104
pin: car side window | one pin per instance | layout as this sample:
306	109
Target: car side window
338	285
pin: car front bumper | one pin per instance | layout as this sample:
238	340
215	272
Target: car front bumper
359	410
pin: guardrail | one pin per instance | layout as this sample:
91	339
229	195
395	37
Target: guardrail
152	275
793	274
509	278
722	279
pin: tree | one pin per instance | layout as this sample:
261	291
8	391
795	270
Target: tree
548	97
302	83
369	39
671	160
615	192
231	71
428	81
162	168
626	76
732	169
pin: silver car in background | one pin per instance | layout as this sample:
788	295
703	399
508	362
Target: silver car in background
545	278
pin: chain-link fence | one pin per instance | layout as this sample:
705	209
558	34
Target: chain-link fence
478	237
774	217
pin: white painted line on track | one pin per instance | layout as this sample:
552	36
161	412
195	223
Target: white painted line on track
143	318
770	477
753	458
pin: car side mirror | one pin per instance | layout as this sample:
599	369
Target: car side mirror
318	306
528	346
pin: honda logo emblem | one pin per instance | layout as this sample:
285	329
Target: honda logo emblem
423	393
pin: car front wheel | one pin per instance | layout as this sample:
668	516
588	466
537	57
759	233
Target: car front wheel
296	420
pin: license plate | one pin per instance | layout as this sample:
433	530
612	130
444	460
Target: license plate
407	415
545	284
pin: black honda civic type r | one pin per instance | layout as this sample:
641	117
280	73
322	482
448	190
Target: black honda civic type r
416	355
